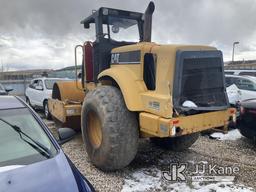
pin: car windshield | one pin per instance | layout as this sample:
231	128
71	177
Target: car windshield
242	83
124	29
13	149
49	83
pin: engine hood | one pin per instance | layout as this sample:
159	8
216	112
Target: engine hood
50	175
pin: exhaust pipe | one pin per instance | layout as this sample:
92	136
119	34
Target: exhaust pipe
147	28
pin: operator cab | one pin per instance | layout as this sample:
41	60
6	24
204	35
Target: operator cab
112	27
110	22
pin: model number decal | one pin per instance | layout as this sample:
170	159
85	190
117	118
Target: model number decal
154	105
130	57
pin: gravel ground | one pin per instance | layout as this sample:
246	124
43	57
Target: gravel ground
144	173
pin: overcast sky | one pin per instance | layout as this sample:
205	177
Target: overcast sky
42	33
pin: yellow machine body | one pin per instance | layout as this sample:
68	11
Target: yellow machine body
155	107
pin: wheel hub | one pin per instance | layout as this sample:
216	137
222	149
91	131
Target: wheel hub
94	129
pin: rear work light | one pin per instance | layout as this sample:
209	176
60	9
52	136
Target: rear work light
232	111
175	122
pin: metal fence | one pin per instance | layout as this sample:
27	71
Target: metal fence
18	86
19	80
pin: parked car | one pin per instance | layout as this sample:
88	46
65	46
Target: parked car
246	87
247	120
249	72
30	157
4	90
38	93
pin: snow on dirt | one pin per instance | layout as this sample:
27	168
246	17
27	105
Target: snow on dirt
231	135
142	180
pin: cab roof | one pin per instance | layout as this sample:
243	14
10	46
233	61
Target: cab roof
10	102
104	12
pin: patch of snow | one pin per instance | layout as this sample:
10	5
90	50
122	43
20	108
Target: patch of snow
189	104
150	179
143	181
231	135
219	187
234	94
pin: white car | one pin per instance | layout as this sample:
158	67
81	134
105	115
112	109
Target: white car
38	93
240	88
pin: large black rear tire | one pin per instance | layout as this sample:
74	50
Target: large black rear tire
180	143
109	129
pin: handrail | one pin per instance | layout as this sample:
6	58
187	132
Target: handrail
77	46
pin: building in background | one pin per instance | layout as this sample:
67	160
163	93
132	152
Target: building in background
67	72
24	74
240	65
19	80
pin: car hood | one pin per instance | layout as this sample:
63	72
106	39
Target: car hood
50	175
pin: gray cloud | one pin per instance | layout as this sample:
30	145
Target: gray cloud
53	18
53	27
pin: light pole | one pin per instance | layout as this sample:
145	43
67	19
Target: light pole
235	43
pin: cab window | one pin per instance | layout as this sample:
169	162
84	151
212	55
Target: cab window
33	84
40	83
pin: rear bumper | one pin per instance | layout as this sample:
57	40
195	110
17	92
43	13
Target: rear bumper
155	126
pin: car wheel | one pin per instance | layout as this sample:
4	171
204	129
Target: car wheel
47	113
246	128
28	101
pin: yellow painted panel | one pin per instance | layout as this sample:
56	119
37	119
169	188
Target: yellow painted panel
130	87
149	123
200	122
57	110
61	110
157	104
